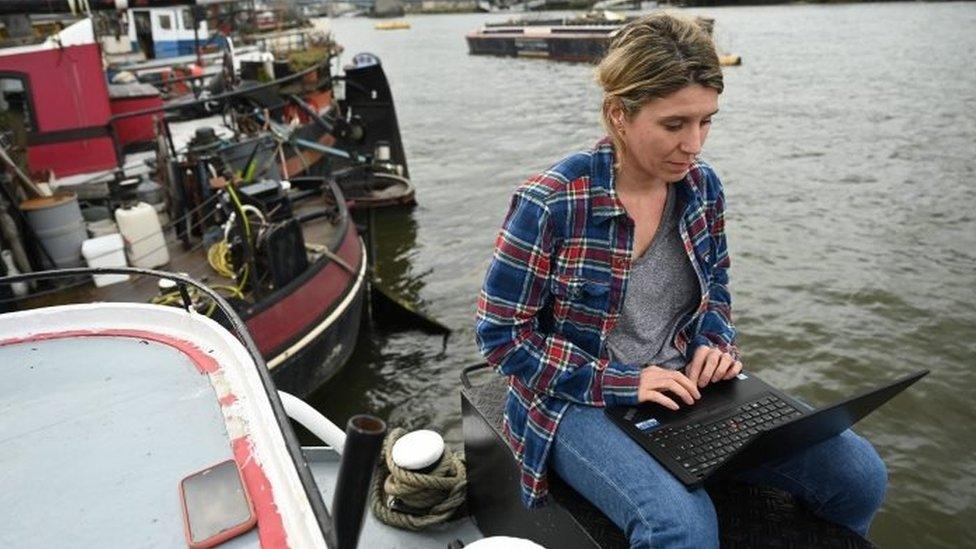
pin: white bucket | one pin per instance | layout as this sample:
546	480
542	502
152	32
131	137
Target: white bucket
144	242
105	251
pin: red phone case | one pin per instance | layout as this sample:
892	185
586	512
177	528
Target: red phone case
225	535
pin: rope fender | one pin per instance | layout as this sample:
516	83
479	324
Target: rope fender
436	494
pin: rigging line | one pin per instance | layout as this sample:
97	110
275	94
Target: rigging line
44	293
166	241
213	198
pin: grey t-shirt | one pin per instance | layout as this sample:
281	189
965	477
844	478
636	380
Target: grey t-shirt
662	288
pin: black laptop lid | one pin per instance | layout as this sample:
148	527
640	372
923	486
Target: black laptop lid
814	427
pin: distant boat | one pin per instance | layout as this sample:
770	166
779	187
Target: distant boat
581	39
387	8
391	25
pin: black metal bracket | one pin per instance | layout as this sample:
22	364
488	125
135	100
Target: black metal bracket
469	370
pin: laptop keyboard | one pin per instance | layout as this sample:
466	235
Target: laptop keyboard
699	447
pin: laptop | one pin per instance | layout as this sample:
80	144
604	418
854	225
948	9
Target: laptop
741	423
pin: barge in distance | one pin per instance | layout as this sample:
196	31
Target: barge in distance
581	39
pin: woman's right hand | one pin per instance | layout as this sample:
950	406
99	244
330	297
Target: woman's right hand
655	381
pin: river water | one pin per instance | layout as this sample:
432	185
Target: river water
847	145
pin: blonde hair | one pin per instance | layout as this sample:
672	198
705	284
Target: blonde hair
653	57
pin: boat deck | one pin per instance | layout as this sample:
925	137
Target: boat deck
318	233
87	441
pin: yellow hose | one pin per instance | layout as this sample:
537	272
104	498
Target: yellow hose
218	256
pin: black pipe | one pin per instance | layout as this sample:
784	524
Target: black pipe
317	214
364	440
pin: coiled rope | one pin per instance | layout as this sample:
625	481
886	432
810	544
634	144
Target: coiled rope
436	495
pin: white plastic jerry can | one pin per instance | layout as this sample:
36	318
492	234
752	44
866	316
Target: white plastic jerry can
145	245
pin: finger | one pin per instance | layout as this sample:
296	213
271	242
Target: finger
697	361
659	398
724	363
673	386
711	362
687	383
734	370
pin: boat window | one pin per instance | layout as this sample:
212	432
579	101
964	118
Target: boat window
16	118
165	22
187	19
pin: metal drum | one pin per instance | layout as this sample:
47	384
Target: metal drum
57	222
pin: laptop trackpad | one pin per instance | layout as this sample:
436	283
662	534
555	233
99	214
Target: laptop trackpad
715	398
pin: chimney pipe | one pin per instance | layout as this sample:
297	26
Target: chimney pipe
364	440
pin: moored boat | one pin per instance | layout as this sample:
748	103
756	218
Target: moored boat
299	278
391	25
282	65
176	436
581	39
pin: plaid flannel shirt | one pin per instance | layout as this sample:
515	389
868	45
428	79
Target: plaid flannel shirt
555	288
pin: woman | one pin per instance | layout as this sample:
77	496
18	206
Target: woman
609	286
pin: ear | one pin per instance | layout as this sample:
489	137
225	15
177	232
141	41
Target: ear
616	113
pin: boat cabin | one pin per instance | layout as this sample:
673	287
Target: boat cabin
166	32
58	106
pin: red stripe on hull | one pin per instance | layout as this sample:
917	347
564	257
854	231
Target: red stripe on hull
205	363
271	529
298	312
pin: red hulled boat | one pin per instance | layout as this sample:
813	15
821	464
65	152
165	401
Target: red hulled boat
284	251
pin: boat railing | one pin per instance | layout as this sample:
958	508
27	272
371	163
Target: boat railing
288	40
221	96
207	102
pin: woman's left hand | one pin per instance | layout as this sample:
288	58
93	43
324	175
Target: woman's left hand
709	365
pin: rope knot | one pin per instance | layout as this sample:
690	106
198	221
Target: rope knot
413	500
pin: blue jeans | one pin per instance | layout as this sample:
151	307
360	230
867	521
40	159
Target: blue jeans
841	479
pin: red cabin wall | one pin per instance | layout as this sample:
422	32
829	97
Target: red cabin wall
67	92
135	129
73	157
